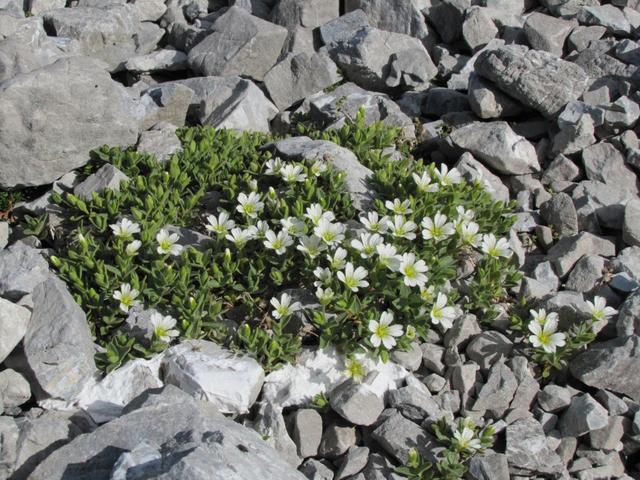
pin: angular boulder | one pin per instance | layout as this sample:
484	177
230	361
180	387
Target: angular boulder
22	268
14	321
46	129
538	79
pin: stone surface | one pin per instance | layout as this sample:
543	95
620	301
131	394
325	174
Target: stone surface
107	176
560	214
547	33
498	146
490	466
397	435
383	61
307	431
488	348
336	441
239	44
354	461
48	131
527	448
160	60
610	365
471	169
161	142
583	415
191	439
605	163
14	389
587	274
564	254
606	16
14	321
487	101
298	76
478	28
21	269
164	103
271	425
57	346
209	372
496	394
538	79
309	14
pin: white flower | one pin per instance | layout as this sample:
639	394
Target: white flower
127	297
311	245
284	307
383	332
163	327
354	369
132	248
240	236
219	225
545	336
373	223
464	216
253	185
478	176
388	256
423	182
293	173
167	243
427	294
469	233
249	205
441	314
125	228
318	168
315	213
262	228
398	207
323	275
338	259
278	242
367	244
413	270
330	233
402	228
437	228
325	295
495	248
465	440
541	316
274	165
446	176
293	226
599	309
353	278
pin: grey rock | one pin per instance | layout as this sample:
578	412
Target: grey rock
497	145
307	431
270	423
447	17
380	60
464	329
538	79
528	387
605	163
26	48
560	169
149	10
298	76
478	28
608	437
623	113
14	321
471	169
356	402
336	440
569	250
488	348
575	110
606	16
344	27
527	448
488	102
237	104
357	175
490	466
316	469
22	268
496	394
160	60
573	138
309	14
610	365
613	403
439	101
628	322
628	51
435	383
464	378
354	461
560	214
582	36
107	177
400	16
397	435
162	142
39	6
58	346
5	231
587	274
36	155
547	33
194	440
239	44
9	434
599	204
165	103
414	403
628	261
410	359
432	356
583	415
14	389
554	398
